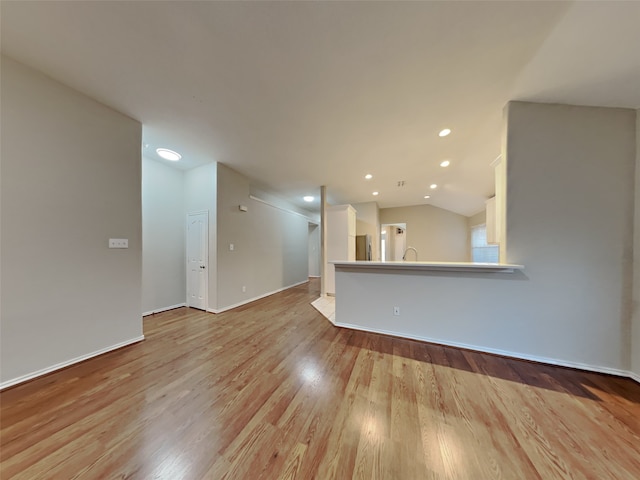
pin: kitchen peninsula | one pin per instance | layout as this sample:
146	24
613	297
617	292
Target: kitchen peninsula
440	302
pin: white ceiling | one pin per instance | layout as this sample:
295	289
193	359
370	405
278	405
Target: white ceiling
300	94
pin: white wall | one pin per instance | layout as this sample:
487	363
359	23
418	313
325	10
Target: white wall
368	223
635	334
163	237
200	187
270	244
569	221
439	235
70	181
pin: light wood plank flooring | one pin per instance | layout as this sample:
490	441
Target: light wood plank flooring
272	390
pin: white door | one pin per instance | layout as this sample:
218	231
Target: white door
197	259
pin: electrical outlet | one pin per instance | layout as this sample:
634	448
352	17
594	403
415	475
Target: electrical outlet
118	243
396	311
244	289
231	247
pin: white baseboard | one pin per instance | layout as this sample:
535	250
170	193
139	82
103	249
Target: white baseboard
164	309
58	366
314	276
504	353
244	302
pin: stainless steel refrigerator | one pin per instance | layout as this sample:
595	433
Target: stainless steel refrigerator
363	247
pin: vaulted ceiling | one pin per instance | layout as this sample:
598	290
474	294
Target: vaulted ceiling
296	95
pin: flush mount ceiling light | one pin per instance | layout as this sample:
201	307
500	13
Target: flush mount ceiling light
427	196
433	186
375	193
444	132
368	176
445	163
168	154
308	198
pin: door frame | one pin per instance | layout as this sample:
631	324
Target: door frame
186	258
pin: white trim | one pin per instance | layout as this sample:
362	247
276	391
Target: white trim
244	302
504	353
314	276
58	366
309	219
164	309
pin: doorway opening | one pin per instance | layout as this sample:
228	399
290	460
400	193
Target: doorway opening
393	241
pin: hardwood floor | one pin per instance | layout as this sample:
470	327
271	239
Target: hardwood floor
272	390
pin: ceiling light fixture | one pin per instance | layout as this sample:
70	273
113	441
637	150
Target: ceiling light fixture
368	176
308	198
433	186
444	132
427	196
375	193
168	154
445	163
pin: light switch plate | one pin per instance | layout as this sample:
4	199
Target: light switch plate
118	243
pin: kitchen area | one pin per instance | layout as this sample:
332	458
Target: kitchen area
395	270
411	240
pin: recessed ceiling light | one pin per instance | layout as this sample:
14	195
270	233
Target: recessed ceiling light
168	154
433	186
445	132
376	193
427	196
308	198
368	176
445	163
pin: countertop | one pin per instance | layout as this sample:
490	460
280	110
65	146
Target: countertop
431	266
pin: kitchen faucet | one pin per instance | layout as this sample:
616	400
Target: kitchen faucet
404	257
